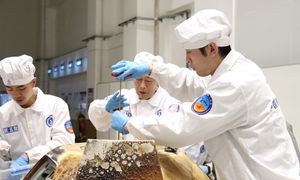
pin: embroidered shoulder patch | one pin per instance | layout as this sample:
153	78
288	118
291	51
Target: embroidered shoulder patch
49	121
68	127
202	105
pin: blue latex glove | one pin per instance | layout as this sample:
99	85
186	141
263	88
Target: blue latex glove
124	70
118	122
113	103
21	161
204	169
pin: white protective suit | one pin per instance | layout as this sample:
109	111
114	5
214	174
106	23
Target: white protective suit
37	129
237	116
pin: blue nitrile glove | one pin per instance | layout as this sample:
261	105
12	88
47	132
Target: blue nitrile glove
124	69
21	161
118	122
113	103
204	169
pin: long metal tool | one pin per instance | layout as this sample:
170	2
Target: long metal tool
120	99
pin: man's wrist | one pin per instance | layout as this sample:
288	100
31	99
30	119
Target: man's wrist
125	129
126	126
25	155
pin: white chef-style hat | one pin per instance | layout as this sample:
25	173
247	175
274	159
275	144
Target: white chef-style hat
17	70
147	58
204	27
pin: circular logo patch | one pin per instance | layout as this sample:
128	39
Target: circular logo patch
202	105
49	121
68	127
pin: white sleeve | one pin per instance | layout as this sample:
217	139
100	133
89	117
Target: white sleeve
61	133
189	125
196	152
100	118
4	150
182	83
4	145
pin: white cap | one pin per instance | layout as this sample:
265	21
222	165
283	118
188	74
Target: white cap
204	27
147	58
16	71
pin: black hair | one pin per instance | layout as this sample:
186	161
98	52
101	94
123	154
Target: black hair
223	51
202	50
80	115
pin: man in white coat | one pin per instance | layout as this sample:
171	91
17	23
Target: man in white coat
147	99
236	113
32	123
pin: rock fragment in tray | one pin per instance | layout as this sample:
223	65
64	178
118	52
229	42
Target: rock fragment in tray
119	160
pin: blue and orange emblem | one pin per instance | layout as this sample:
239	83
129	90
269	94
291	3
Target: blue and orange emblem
68	127
203	104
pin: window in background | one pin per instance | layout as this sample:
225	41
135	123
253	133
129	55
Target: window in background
4	98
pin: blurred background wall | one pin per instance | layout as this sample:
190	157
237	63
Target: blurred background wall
74	42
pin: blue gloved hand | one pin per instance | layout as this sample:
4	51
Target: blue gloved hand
118	122
204	169
21	161
124	70
113	103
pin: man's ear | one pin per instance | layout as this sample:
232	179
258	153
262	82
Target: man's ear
34	81
213	49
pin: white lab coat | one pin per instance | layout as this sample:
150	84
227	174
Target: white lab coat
37	129
243	127
160	101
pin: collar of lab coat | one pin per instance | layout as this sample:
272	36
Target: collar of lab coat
226	64
154	100
36	106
